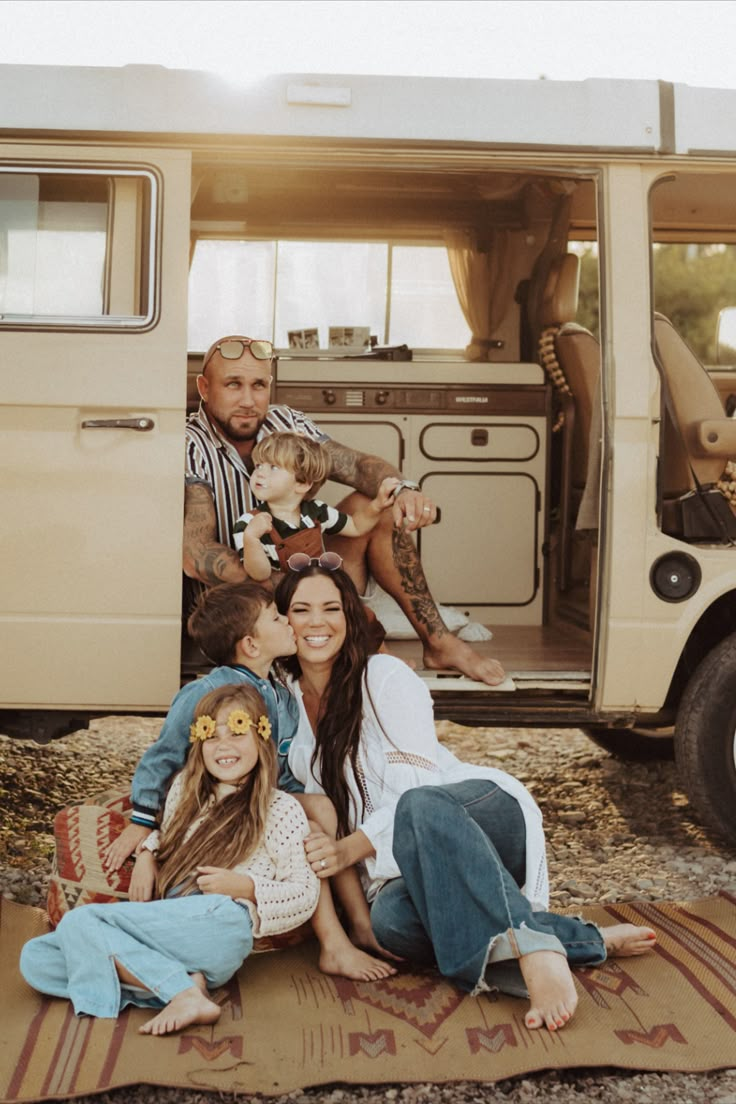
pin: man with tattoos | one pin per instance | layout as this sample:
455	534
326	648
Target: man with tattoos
235	412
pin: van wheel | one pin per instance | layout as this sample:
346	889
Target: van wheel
705	739
634	744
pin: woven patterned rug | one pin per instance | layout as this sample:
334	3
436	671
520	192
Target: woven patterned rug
285	1025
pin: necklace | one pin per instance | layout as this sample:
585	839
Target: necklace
312	699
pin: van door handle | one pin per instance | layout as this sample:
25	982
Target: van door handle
141	425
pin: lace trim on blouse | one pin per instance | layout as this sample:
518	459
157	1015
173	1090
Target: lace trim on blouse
411	759
363	787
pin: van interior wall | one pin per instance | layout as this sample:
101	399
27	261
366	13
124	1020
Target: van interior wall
536	212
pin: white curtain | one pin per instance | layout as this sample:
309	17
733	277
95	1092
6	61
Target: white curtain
483	275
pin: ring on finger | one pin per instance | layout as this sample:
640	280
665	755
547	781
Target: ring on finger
427	510
323	864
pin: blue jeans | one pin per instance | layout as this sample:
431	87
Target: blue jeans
159	942
458	904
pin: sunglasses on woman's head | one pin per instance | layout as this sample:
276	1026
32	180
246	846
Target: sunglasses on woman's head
234	347
300	561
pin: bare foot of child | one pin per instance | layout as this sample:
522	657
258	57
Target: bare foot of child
364	937
623	940
349	961
552	994
191	1006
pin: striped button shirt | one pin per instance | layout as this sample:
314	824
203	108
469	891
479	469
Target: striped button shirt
212	460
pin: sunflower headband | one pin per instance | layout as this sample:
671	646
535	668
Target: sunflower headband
239	722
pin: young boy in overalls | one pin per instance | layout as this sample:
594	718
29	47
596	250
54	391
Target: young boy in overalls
288	470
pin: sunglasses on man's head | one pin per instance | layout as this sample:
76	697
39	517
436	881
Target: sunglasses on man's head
234	347
300	561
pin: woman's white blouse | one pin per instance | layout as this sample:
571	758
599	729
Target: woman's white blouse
396	754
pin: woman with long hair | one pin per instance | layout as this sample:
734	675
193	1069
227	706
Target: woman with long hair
452	855
228	865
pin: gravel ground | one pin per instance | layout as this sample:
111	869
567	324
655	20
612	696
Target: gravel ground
616	832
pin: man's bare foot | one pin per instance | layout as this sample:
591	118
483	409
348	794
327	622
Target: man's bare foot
552	994
624	940
350	962
449	651
191	1006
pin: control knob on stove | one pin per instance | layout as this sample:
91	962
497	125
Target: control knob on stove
329	396
382	397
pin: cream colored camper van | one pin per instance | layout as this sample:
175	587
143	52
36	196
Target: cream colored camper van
512	290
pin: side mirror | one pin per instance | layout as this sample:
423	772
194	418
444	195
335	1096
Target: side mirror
726	336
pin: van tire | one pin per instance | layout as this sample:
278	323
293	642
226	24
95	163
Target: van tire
705	748
635	745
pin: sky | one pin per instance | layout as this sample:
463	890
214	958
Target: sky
674	40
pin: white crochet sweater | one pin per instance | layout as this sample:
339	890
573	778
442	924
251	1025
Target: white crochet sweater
286	887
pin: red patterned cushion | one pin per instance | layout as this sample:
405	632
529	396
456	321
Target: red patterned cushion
82	834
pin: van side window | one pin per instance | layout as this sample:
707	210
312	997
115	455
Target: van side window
401	293
76	248
693	281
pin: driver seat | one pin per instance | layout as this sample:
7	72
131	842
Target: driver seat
701	439
570	355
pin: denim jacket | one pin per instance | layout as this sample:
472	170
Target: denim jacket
168	754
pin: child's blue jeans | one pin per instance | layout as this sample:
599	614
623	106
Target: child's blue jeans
159	942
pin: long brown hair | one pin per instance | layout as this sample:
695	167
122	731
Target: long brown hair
337	738
233	827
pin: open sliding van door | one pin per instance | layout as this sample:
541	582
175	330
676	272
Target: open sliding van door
93	313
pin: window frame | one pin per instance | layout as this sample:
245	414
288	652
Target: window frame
150	254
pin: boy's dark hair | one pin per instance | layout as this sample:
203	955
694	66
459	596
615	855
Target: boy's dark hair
223	615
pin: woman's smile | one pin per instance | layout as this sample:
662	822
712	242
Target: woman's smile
317	618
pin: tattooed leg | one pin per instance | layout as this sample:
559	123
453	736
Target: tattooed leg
391	557
421	610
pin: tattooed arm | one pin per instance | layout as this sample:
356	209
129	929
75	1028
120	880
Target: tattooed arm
204	557
356	469
411	509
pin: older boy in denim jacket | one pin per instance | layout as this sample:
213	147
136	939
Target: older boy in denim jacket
238	626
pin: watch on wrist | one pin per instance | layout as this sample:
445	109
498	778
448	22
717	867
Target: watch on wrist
406	485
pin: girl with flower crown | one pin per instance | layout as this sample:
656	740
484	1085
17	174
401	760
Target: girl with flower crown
228	865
